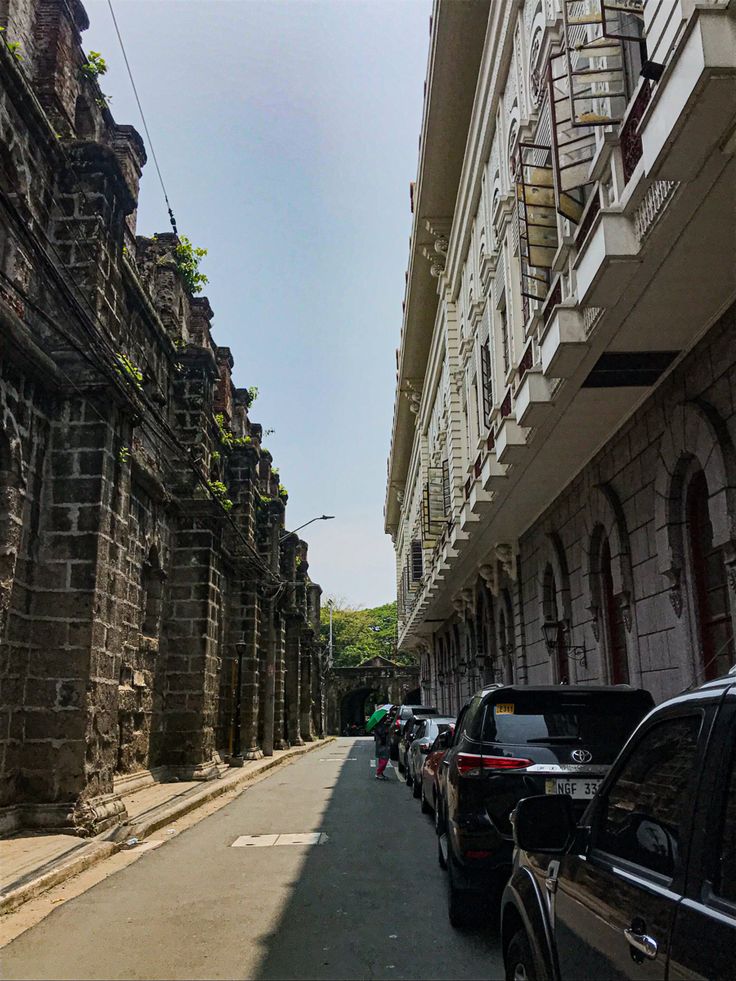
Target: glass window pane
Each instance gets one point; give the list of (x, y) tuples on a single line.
[(642, 817)]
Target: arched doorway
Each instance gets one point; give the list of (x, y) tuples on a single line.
[(357, 706)]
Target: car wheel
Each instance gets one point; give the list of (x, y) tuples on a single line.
[(519, 959), (426, 809), (416, 790), (464, 908), (407, 777)]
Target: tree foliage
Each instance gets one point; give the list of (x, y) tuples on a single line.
[(359, 634)]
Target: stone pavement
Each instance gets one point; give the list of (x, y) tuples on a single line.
[(32, 862)]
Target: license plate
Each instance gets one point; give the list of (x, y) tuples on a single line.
[(579, 789)]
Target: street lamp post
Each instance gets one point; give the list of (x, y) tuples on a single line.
[(320, 517)]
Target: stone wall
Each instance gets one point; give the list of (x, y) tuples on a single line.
[(143, 564)]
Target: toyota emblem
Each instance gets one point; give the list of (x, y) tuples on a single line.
[(581, 756)]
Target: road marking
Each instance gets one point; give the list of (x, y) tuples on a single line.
[(267, 841)]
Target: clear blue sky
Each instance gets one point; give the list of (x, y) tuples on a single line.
[(287, 134)]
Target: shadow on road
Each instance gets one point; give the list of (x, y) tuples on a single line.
[(370, 902)]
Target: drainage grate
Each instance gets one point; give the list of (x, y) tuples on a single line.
[(265, 841)]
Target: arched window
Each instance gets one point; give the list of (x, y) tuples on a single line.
[(561, 668), (613, 621), (710, 585)]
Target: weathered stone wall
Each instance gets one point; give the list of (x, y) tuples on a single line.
[(141, 522)]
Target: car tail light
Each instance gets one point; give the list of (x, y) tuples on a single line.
[(477, 853), (471, 764)]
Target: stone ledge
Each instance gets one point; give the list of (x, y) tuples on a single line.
[(103, 846)]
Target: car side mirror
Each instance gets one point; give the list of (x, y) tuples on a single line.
[(544, 824)]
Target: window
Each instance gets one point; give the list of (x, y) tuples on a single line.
[(710, 585), (505, 343), (725, 878), (614, 627), (152, 578), (642, 817)]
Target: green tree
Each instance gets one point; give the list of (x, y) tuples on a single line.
[(359, 634)]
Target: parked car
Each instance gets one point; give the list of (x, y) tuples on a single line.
[(429, 771), (396, 719), (511, 742), (424, 735), (408, 733), (644, 885)]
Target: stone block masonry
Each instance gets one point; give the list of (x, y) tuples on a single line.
[(148, 598)]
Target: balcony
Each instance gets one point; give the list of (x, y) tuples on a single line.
[(510, 441), (693, 108), (493, 474), (607, 260), (564, 344), (533, 399)]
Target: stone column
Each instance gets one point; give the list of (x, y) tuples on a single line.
[(293, 669), (269, 682), (249, 676), (305, 692), (191, 632), (279, 632)]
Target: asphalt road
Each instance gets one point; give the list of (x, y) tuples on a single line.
[(366, 902)]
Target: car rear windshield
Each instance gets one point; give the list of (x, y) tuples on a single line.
[(605, 719)]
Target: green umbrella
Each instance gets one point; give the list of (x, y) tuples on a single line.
[(375, 719)]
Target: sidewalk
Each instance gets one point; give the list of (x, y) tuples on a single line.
[(31, 862)]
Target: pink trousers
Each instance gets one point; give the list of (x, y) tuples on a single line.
[(381, 766)]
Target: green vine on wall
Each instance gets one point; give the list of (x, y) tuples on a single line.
[(187, 258), (94, 66), (219, 491), (129, 370), (12, 46), (227, 437)]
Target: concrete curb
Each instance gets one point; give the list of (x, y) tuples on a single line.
[(112, 842)]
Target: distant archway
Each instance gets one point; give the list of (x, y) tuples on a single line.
[(357, 706)]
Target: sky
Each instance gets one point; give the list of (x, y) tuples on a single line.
[(287, 134)]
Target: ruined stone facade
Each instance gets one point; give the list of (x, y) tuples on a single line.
[(150, 596)]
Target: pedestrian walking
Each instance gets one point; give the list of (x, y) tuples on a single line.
[(380, 734)]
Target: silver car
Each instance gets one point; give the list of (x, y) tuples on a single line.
[(426, 733)]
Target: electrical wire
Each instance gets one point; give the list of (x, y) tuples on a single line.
[(143, 117)]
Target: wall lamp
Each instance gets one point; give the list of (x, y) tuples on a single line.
[(321, 517), (555, 634)]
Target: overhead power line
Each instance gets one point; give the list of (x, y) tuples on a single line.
[(143, 118)]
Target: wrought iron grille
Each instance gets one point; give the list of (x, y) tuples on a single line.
[(434, 510), (417, 563), (537, 220), (593, 32), (486, 380)]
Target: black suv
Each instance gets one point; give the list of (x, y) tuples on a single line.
[(510, 742), (644, 886), (396, 720)]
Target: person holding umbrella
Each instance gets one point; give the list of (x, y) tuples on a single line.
[(377, 725)]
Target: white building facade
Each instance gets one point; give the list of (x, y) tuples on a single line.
[(562, 476)]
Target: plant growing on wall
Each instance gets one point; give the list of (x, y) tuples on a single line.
[(252, 391), (94, 66), (187, 259), (283, 493), (227, 437), (12, 46), (219, 491), (129, 370)]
